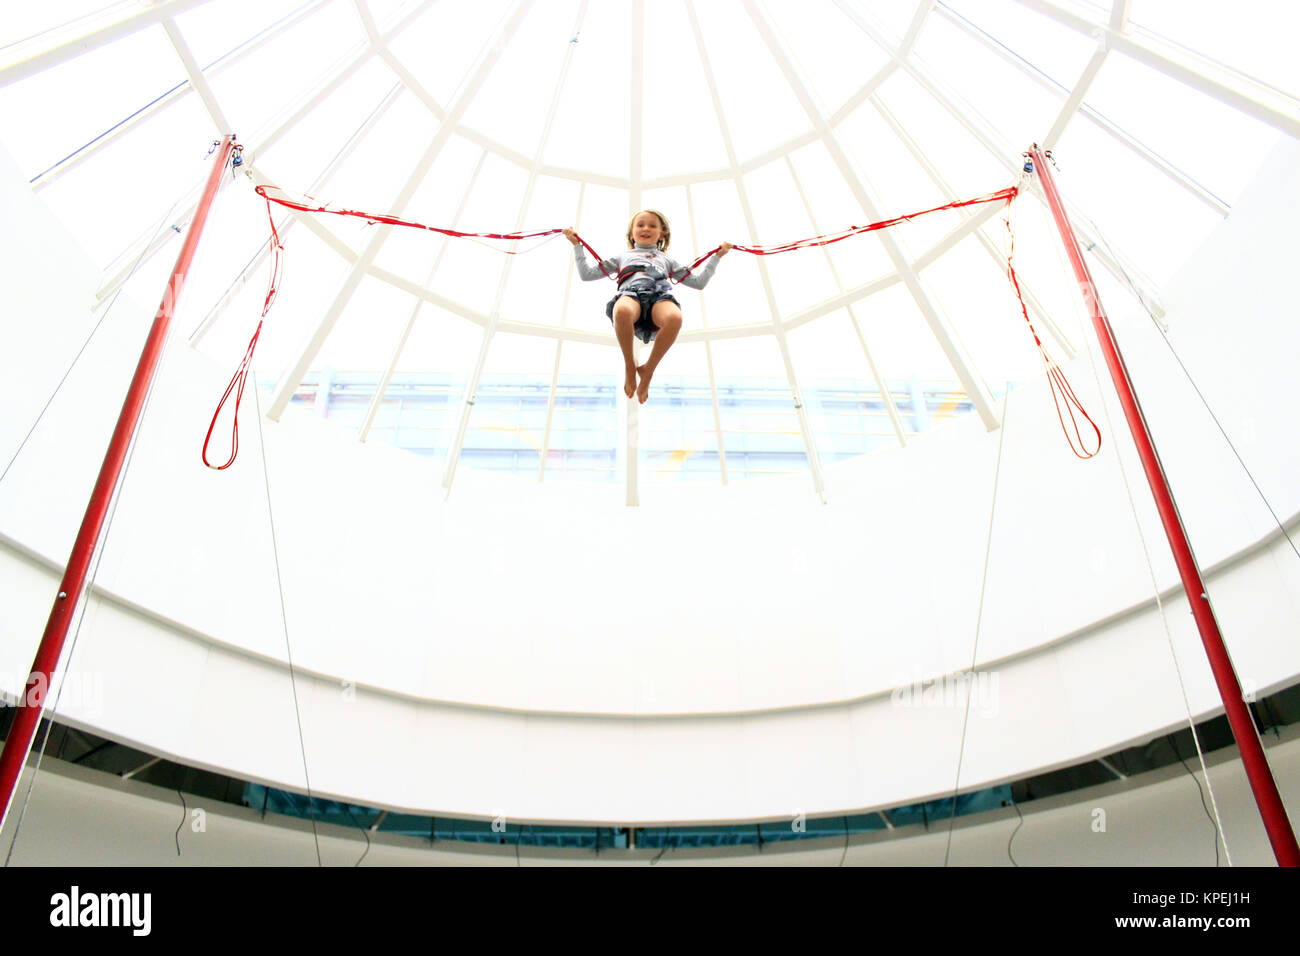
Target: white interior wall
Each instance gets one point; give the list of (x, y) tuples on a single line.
[(716, 653)]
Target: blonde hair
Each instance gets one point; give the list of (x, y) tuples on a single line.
[(664, 240)]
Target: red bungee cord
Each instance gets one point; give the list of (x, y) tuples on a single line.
[(241, 374), (1060, 387), (1002, 195), (1062, 394)]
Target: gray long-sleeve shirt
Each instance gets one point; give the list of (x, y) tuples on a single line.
[(642, 269)]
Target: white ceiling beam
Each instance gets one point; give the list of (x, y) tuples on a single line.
[(198, 81), (997, 255), (307, 355), (708, 351), (94, 40), (559, 347), (979, 394), (494, 318), (982, 130), (879, 379), (381, 389), (1231, 87), (796, 393)]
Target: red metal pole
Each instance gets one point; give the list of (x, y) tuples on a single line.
[(31, 706), (1262, 784)]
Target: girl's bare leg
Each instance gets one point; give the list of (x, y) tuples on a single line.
[(668, 318), (626, 312)]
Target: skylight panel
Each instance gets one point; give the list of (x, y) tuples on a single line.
[(442, 45), (471, 273), (760, 109), (366, 333), (113, 202), (1018, 107), (311, 278), (592, 123), (799, 278), (834, 56), (539, 270), (282, 73), (213, 29), (736, 290), (1256, 37), (898, 184), (1215, 145), (901, 339), (89, 94), (859, 259), (1142, 213), (960, 159), (681, 128), (1024, 35), (31, 27), (893, 17), (515, 98), (978, 300)]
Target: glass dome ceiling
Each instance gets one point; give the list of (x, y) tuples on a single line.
[(753, 121)]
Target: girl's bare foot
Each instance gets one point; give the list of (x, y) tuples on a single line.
[(643, 390), (629, 382)]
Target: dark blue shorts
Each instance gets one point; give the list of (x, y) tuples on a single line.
[(645, 328)]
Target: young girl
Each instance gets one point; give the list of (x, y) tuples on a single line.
[(644, 303)]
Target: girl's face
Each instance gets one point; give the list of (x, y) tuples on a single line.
[(647, 230)]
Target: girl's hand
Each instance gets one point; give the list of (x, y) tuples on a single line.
[(724, 249), (571, 235)]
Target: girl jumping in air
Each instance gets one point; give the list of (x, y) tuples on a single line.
[(644, 303)]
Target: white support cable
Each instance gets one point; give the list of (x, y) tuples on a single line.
[(636, 111), (881, 386), (153, 242), (94, 40), (494, 317), (982, 130), (636, 126), (559, 347), (287, 222), (1236, 89), (1074, 104), (289, 383), (632, 451), (778, 331), (230, 59), (708, 351), (377, 399), (198, 81), (981, 399), (987, 244)]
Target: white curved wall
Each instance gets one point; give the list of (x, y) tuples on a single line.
[(515, 629)]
